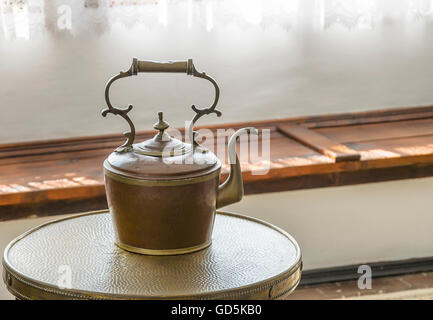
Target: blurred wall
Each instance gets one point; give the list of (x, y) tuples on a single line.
[(352, 224), (52, 85)]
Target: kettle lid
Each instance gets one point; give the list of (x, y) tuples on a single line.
[(162, 158), (162, 144)]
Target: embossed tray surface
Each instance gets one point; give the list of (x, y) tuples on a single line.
[(248, 259)]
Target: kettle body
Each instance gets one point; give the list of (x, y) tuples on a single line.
[(163, 217)]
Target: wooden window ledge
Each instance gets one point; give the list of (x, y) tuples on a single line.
[(65, 175)]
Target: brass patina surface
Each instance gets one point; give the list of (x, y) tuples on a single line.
[(162, 192), (160, 219), (248, 259)]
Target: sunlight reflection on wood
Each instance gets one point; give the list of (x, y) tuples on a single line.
[(377, 154), (416, 150)]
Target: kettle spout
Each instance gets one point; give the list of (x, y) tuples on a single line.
[(232, 189)]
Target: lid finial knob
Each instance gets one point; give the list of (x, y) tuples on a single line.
[(161, 125)]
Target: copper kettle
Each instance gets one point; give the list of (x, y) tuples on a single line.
[(163, 193)]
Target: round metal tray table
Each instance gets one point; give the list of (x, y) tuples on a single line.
[(248, 259)]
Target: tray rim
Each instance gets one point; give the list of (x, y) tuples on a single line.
[(292, 274)]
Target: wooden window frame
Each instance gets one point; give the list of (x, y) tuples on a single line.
[(65, 175)]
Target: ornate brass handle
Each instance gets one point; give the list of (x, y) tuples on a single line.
[(154, 66)]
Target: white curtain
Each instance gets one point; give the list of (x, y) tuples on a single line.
[(28, 19)]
